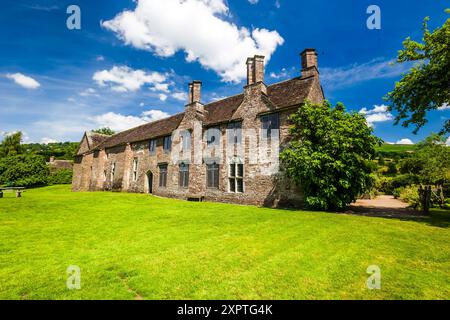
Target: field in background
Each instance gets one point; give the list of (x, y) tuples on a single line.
[(133, 246)]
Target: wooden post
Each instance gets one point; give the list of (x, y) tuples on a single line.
[(1, 194), (18, 194)]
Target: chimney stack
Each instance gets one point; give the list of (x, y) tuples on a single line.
[(255, 70), (309, 63), (195, 90)]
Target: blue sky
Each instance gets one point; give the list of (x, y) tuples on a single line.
[(131, 61)]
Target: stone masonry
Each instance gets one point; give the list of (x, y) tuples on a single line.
[(225, 151)]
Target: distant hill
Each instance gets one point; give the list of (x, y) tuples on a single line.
[(396, 150)]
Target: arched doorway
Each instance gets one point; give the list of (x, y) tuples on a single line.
[(149, 182)]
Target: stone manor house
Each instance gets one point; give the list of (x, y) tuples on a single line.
[(225, 151)]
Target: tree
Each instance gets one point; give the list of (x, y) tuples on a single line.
[(434, 157), (11, 145), (426, 86), (106, 131), (330, 156)]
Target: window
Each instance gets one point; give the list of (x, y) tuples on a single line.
[(163, 175), (135, 169), (234, 133), (113, 171), (236, 177), (186, 141), (104, 175), (269, 123), (167, 143), (213, 136), (152, 146), (184, 175), (213, 175)]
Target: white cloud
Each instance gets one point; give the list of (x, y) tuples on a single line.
[(125, 79), (404, 141), (253, 1), (356, 73), (23, 80), (163, 97), (164, 87), (181, 96), (277, 4), (377, 114), (282, 74), (100, 58), (119, 122), (89, 92), (445, 106), (141, 104), (48, 140), (197, 27), (153, 115)]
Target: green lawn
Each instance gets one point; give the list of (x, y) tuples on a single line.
[(132, 246)]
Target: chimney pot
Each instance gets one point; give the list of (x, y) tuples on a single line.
[(255, 69), (195, 90), (309, 62)]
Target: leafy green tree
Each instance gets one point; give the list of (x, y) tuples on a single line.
[(434, 157), (381, 160), (11, 145), (426, 87), (392, 168), (23, 171), (106, 131), (63, 176), (331, 155)]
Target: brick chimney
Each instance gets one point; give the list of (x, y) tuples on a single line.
[(195, 91), (309, 63), (255, 70)]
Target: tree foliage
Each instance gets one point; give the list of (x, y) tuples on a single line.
[(11, 145), (427, 86), (59, 150), (330, 155), (23, 171), (106, 131)]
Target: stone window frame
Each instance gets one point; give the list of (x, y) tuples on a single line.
[(167, 144), (183, 180), (163, 171), (152, 146), (135, 169), (213, 169), (269, 122), (236, 174)]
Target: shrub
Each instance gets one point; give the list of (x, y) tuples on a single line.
[(392, 168), (63, 176), (384, 185), (410, 194), (23, 171), (404, 180)]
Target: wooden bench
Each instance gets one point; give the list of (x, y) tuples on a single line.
[(18, 191)]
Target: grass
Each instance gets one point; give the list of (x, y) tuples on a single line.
[(397, 148), (132, 246)]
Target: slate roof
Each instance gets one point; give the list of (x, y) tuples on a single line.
[(284, 94)]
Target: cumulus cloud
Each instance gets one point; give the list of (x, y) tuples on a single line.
[(377, 114), (153, 115), (125, 79), (163, 97), (119, 122), (181, 96), (445, 106), (357, 73), (23, 80), (199, 28), (404, 141)]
